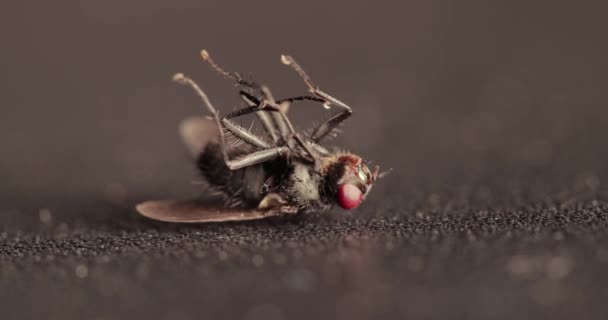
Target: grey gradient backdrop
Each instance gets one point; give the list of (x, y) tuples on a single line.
[(486, 110), (442, 90)]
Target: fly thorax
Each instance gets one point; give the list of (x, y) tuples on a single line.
[(305, 182)]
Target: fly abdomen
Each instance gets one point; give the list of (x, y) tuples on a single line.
[(242, 185)]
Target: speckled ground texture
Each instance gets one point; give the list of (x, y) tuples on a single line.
[(492, 116)]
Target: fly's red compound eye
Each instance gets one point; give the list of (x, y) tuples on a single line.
[(349, 196)]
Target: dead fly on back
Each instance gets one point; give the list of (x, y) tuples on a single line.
[(281, 174)]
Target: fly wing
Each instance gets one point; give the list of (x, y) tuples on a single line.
[(197, 132), (190, 211)]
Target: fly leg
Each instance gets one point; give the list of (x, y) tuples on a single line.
[(255, 157), (243, 161), (289, 133), (278, 111), (229, 75), (264, 117), (278, 119), (242, 133), (245, 134), (272, 123), (327, 126)]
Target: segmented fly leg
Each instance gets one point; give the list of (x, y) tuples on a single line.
[(300, 98), (244, 134), (264, 117), (257, 157), (289, 131), (274, 109), (229, 75), (278, 111), (324, 128), (273, 122), (244, 161)]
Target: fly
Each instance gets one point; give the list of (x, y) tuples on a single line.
[(281, 173)]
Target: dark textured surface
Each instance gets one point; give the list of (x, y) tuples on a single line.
[(542, 260), (493, 117)]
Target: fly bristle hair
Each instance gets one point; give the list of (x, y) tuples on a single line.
[(308, 132), (231, 140), (215, 191), (211, 191), (235, 200), (331, 135), (334, 132)]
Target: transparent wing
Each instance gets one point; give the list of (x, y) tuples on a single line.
[(192, 211), (197, 132)]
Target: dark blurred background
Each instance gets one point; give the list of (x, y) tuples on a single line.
[(492, 114), (441, 89)]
